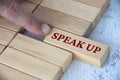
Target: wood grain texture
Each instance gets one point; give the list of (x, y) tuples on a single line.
[(6, 36), (8, 24), (96, 3), (28, 6), (12, 26), (86, 50), (7, 73), (42, 51), (102, 10), (73, 8), (1, 48), (63, 21), (30, 65), (35, 1)]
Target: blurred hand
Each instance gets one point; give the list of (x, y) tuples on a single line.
[(11, 10)]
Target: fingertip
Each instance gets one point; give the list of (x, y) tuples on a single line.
[(45, 28)]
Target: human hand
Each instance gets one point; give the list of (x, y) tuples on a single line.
[(11, 10)]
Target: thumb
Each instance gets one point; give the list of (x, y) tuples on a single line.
[(11, 10)]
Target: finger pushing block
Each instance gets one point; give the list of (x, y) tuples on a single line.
[(64, 21), (86, 50)]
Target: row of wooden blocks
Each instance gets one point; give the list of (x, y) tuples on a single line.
[(24, 58)]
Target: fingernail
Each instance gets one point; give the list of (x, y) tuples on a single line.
[(45, 28)]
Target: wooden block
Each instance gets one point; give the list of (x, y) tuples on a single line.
[(102, 4), (84, 49), (7, 73), (6, 36), (35, 1), (37, 49), (28, 6), (1, 48), (64, 21), (8, 24), (12, 26), (30, 65), (73, 8), (96, 3)]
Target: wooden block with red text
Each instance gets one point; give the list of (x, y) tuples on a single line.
[(8, 73), (12, 26), (6, 36), (1, 48), (86, 50), (30, 65), (42, 51)]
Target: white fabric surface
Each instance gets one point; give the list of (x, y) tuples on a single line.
[(108, 32)]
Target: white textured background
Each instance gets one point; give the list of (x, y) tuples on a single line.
[(108, 32)]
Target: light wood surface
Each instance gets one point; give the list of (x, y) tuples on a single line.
[(96, 3), (8, 24), (73, 8), (28, 6), (35, 1), (64, 21), (12, 26), (102, 10), (1, 48), (86, 50), (30, 65), (42, 51), (6, 36), (7, 73), (101, 4)]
